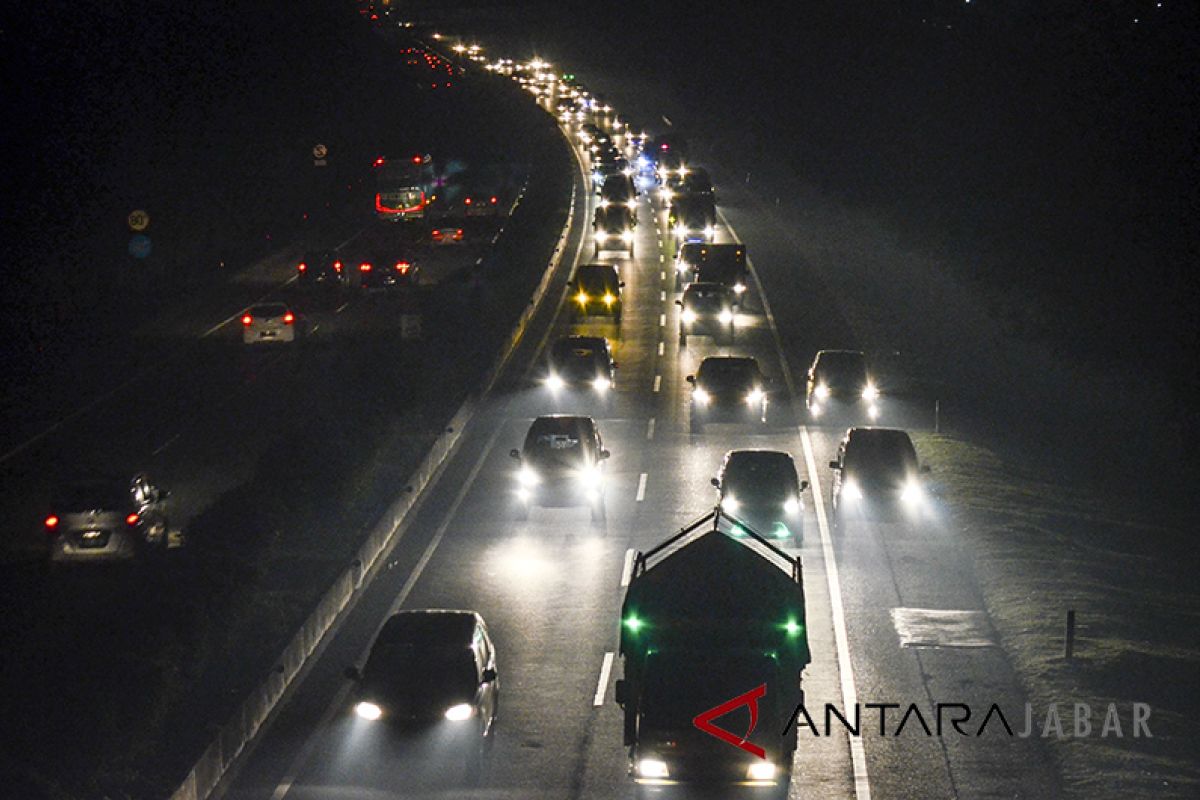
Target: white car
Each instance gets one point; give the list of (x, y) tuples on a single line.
[(268, 322)]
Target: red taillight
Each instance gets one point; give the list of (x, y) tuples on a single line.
[(132, 519), (493, 201), (302, 267), (468, 201), (458, 233), (247, 319), (364, 267), (437, 234), (416, 159), (51, 522), (337, 266), (289, 318), (402, 266)]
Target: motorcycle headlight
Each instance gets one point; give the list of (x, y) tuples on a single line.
[(701, 397), (652, 768), (761, 771), (688, 316), (460, 712), (739, 288), (726, 316)]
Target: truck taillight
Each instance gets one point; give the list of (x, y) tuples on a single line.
[(247, 319), (289, 318), (337, 266), (132, 519), (51, 522)]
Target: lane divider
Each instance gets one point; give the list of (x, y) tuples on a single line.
[(641, 490), (602, 684), (657, 382), (627, 568), (650, 428)]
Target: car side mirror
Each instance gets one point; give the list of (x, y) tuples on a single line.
[(803, 485), (352, 674), (489, 675), (679, 303), (690, 378), (834, 465), (604, 454), (514, 453), (621, 285), (615, 365), (925, 469), (716, 482), (619, 692)]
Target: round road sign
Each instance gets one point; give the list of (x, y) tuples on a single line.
[(320, 151), (138, 220), (139, 246)]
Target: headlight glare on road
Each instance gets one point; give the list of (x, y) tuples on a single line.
[(791, 505), (850, 490), (460, 712), (701, 397), (726, 316), (688, 316), (368, 711), (761, 771), (652, 768), (911, 494)]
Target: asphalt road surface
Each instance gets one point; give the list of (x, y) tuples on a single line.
[(550, 587)]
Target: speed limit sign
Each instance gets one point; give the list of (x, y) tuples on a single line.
[(138, 220)]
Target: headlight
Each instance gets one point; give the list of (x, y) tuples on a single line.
[(460, 712), (822, 391), (755, 396), (726, 316), (729, 503), (791, 505), (590, 476), (680, 231), (609, 298), (605, 204), (739, 287), (870, 392), (601, 236), (665, 195), (631, 204), (554, 382), (873, 411), (626, 236), (601, 384), (710, 231), (581, 298), (527, 477), (367, 710), (688, 316), (700, 396), (911, 494), (652, 768), (850, 490), (761, 771)]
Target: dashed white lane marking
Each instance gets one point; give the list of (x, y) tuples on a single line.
[(662, 294), (627, 567), (602, 685), (661, 258), (935, 627), (662, 274), (641, 492), (166, 444), (661, 346), (858, 758), (657, 382), (342, 307), (662, 320), (650, 428)]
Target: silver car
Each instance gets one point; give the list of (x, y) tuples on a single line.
[(269, 322), (107, 519)]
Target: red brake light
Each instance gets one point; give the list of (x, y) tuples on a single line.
[(51, 522), (132, 519), (364, 267), (416, 159), (379, 162), (437, 234), (289, 318), (458, 234), (247, 319), (402, 266), (302, 267), (468, 201), (493, 201)]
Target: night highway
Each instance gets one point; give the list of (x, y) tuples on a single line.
[(559, 409)]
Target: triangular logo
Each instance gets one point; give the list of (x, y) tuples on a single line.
[(750, 698)]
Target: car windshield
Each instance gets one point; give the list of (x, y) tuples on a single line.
[(422, 670), (268, 310), (880, 456), (842, 369), (576, 356), (92, 495), (705, 297), (728, 372), (763, 476), (556, 442), (598, 281)]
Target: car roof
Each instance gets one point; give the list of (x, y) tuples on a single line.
[(430, 627), (835, 355), (879, 435), (754, 454), (748, 360), (596, 271)]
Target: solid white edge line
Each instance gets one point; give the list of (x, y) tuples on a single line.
[(602, 685), (627, 567), (858, 758), (641, 490)]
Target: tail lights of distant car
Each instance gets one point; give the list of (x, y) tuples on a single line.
[(289, 318), (364, 267), (132, 519), (493, 201), (51, 522), (403, 267), (247, 319), (302, 267), (337, 266)]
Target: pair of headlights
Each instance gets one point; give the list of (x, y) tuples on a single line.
[(731, 504), (657, 769), (456, 713), (689, 316), (703, 398)]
